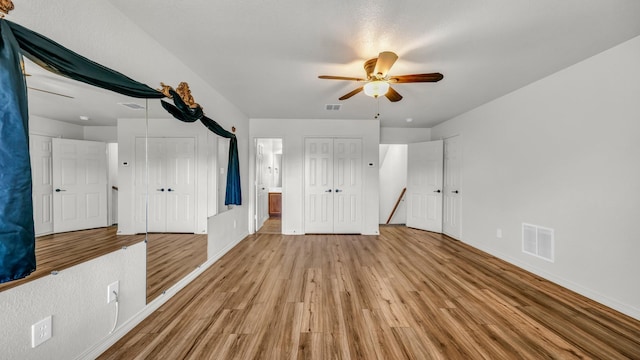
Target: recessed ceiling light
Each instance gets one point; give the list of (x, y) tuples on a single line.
[(84, 118), (409, 119)]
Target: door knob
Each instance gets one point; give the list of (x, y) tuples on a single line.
[(161, 189), (455, 191), (437, 191), (170, 189), (58, 190), (328, 190), (338, 190)]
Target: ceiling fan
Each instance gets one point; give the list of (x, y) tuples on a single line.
[(378, 80)]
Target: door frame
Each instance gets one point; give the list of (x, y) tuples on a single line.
[(98, 190), (254, 218)]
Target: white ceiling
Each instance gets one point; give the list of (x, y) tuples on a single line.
[(265, 56)]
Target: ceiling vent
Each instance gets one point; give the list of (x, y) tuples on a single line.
[(538, 241), (333, 107), (133, 106)]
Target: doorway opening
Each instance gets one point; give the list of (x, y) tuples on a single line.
[(393, 179), (269, 188)]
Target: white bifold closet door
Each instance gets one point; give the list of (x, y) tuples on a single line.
[(333, 185), (79, 184), (424, 185), (171, 185)]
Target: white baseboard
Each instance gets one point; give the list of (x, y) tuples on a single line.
[(96, 350), (589, 293)]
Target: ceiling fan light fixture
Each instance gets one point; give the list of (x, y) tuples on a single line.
[(376, 88)]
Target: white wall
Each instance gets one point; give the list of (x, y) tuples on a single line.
[(393, 178), (404, 135), (293, 132), (562, 153), (48, 127), (76, 299), (108, 134)]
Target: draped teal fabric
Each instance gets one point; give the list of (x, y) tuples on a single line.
[(17, 245)]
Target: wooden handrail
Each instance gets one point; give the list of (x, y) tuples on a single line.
[(397, 203)]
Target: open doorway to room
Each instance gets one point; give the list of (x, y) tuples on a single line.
[(393, 182), (268, 190)]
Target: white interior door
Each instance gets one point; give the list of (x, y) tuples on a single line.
[(80, 185), (170, 163), (424, 185), (318, 186), (347, 183), (180, 184), (42, 177), (451, 224), (333, 186)]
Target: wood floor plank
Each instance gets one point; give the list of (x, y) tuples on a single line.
[(405, 294)]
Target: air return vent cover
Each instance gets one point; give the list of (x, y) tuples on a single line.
[(133, 106), (538, 241), (333, 107)]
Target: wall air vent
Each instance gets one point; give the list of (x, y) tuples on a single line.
[(333, 107), (133, 106), (538, 241)]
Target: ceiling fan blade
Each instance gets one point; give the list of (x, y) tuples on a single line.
[(386, 59), (432, 77), (346, 96), (393, 95), (369, 66), (50, 92), (329, 77)]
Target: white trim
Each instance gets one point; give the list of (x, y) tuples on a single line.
[(603, 299)]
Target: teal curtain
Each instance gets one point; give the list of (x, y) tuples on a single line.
[(17, 246), (17, 236)]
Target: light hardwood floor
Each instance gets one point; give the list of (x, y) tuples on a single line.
[(406, 294), (170, 257), (273, 225)]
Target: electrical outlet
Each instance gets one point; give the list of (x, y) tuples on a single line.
[(111, 297), (499, 233), (41, 331)]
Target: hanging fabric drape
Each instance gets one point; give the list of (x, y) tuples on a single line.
[(17, 236), (17, 246)]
